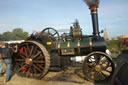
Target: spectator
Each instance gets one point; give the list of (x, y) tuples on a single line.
[(1, 60), (7, 56), (14, 48)]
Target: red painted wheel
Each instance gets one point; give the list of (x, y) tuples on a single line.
[(32, 60)]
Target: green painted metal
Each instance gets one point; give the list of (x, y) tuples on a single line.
[(74, 44), (85, 42)]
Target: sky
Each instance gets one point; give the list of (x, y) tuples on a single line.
[(35, 15)]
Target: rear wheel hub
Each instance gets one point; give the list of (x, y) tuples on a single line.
[(28, 61)]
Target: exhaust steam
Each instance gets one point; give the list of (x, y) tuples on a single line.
[(91, 3)]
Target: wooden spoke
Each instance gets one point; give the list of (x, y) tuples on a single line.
[(22, 56), (38, 61), (21, 64), (37, 68), (97, 58), (26, 54), (107, 64), (26, 71), (20, 60), (107, 70), (35, 72), (22, 67), (89, 70), (101, 60), (40, 66), (104, 75), (90, 64), (40, 57), (96, 75), (91, 75), (36, 55), (29, 71), (28, 47), (35, 50), (104, 60), (99, 75), (31, 50)]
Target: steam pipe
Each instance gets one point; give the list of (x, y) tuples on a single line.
[(94, 16)]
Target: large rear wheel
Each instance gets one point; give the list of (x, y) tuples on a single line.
[(32, 60)]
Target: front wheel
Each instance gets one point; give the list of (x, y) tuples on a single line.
[(98, 67)]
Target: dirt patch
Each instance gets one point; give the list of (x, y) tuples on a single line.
[(70, 76)]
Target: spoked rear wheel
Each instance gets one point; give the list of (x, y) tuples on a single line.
[(98, 67), (32, 60)]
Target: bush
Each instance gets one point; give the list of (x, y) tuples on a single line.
[(116, 46)]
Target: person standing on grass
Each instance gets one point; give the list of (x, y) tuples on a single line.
[(7, 57)]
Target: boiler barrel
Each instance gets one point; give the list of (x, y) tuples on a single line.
[(99, 44), (82, 47)]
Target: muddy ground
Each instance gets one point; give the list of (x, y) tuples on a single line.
[(69, 76)]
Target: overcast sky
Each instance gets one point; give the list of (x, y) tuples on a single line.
[(35, 15)]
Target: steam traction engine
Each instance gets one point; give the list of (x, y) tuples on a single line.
[(47, 49)]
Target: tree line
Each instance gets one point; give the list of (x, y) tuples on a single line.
[(16, 34), (116, 46)]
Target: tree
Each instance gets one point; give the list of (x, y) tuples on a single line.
[(116, 46), (16, 34), (19, 34), (1, 37), (7, 35)]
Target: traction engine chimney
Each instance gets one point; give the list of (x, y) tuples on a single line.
[(93, 5), (95, 24)]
